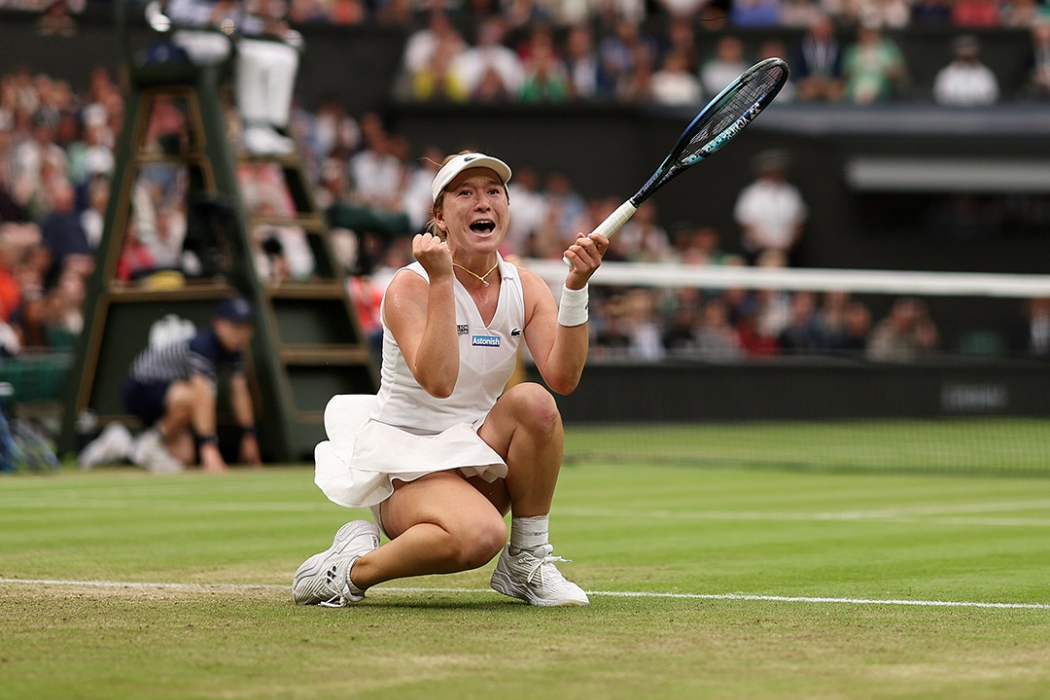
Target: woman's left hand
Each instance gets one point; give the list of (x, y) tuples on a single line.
[(585, 256)]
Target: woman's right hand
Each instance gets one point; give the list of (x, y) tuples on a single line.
[(433, 254)]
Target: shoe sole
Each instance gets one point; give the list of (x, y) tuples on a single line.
[(315, 564), (501, 583)]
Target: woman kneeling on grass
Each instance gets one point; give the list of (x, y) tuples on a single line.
[(443, 453)]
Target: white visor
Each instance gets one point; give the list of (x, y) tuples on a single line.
[(454, 167)]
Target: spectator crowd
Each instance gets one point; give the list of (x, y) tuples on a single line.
[(839, 51), (57, 156)]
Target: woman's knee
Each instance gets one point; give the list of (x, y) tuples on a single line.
[(478, 541), (536, 408)]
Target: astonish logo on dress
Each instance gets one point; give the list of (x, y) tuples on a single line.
[(485, 341)]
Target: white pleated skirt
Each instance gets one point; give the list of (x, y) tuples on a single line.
[(355, 467)]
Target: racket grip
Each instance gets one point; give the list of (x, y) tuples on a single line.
[(613, 222)]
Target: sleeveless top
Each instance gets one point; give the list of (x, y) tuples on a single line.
[(487, 358)]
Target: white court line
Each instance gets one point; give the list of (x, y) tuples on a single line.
[(904, 514), (204, 587)]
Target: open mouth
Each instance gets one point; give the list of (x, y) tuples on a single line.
[(483, 226)]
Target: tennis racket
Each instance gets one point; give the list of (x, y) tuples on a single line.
[(716, 125)]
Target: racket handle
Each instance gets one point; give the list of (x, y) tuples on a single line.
[(613, 222)]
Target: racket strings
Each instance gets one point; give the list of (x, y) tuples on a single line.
[(737, 104)]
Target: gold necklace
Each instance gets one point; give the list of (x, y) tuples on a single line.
[(479, 278)]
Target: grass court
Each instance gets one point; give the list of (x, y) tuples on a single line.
[(725, 579)]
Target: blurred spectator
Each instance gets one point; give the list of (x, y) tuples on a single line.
[(892, 14), (770, 211), (525, 13), (754, 329), (679, 339), (686, 9), (10, 209), (11, 284), (624, 57), (800, 13), (368, 301), (29, 321), (333, 186), (530, 210), (966, 81), (346, 12), (282, 253), (64, 310), (817, 63), (642, 238), (975, 14), (715, 338), (904, 335), (725, 66), (931, 13), (873, 67), (853, 337), (63, 235), (416, 201), (490, 71), (831, 316), (1023, 14), (422, 43), (377, 174), (755, 13), (581, 62), (1037, 64), (1032, 334), (696, 245), (643, 329), (135, 260), (31, 264), (10, 344), (802, 335), (262, 184), (566, 209), (93, 217), (674, 83), (334, 132), (90, 157), (35, 157), (774, 305), (437, 80), (680, 36), (545, 77), (428, 57)]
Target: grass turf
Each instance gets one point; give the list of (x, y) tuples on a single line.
[(230, 543)]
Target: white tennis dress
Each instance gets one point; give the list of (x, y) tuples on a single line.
[(404, 432)]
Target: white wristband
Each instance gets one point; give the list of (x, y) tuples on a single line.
[(573, 308)]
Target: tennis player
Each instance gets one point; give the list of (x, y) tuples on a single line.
[(443, 452)]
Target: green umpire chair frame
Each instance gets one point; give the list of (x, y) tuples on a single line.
[(308, 343)]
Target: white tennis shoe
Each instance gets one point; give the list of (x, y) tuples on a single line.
[(324, 578), (149, 451), (532, 576), (112, 446)]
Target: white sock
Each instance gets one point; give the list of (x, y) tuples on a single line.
[(528, 533)]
